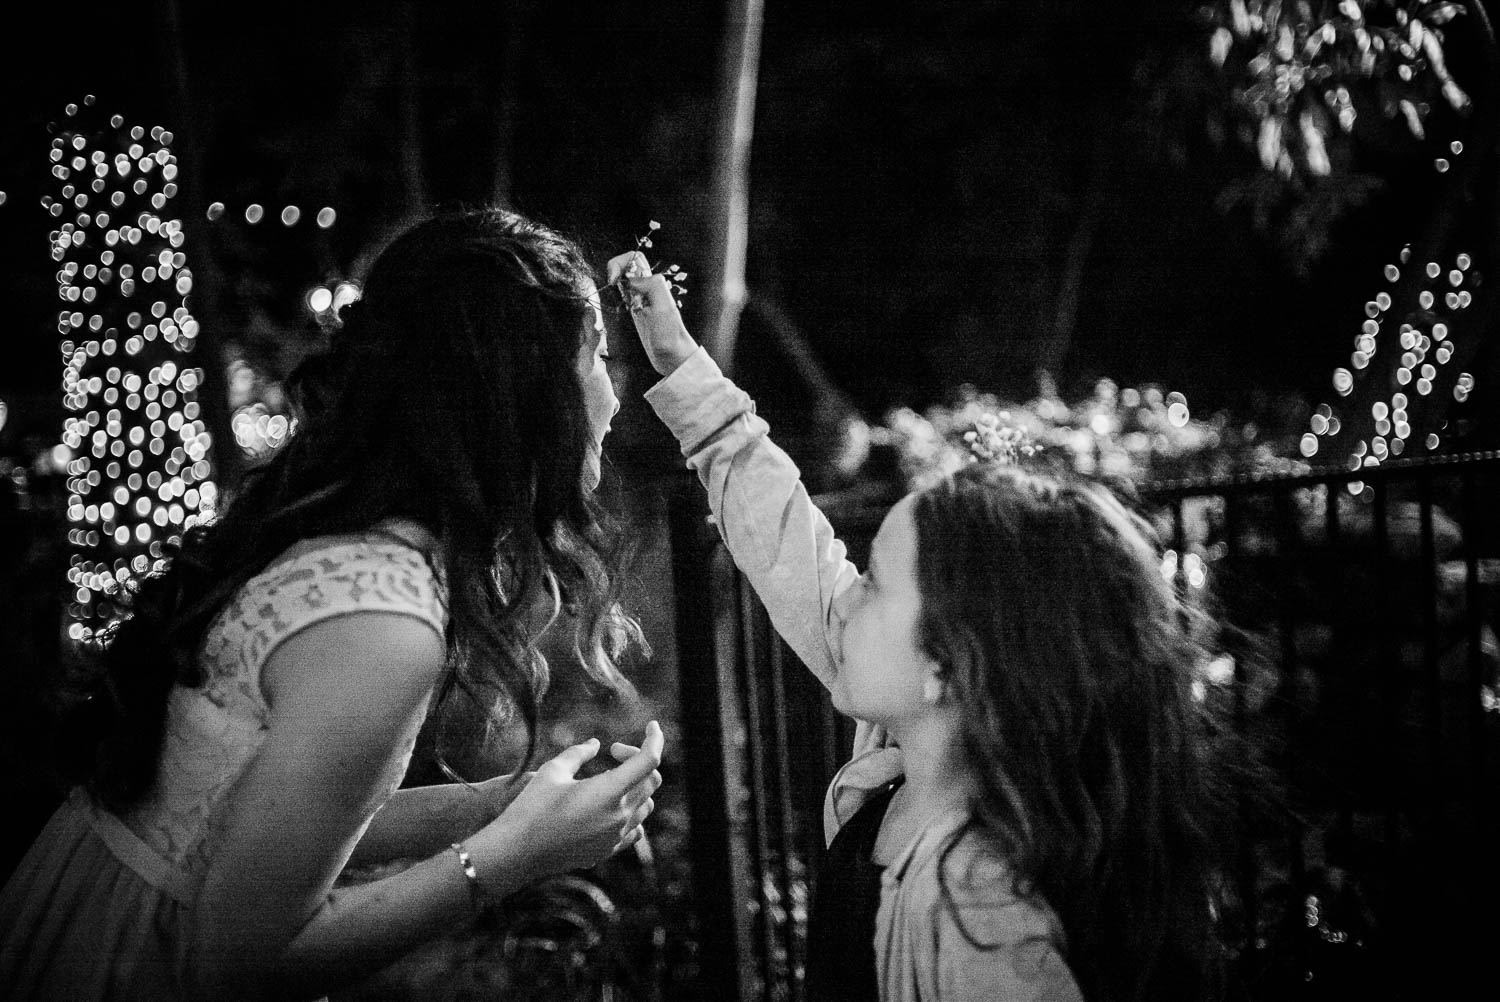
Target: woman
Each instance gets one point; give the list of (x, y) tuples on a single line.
[(258, 708)]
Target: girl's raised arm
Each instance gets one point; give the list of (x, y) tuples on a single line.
[(777, 536)]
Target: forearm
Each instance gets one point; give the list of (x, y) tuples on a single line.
[(362, 929), (359, 930), (777, 536), (418, 821)]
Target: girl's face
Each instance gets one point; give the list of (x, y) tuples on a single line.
[(599, 400), (881, 670)]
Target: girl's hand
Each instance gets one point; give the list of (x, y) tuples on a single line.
[(559, 823), (657, 321)]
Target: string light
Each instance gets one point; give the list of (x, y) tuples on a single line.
[(1425, 345), (134, 446), (290, 215)]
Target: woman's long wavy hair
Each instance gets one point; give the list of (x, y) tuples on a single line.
[(450, 398), (1071, 664)]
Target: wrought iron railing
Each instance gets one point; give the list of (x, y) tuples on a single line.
[(1370, 595)]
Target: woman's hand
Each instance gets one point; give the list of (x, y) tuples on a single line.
[(497, 793), (559, 823), (654, 310)]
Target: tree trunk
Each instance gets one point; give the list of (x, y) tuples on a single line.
[(1057, 339), (514, 17), (409, 105), (729, 209)]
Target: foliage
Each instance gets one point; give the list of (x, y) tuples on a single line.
[(1135, 433), (1301, 80)]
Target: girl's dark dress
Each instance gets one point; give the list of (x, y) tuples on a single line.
[(841, 930)]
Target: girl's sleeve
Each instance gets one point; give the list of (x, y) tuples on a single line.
[(776, 535), (973, 967), (986, 942)]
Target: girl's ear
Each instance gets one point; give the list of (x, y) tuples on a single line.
[(933, 689)]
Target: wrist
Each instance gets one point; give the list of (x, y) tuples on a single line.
[(477, 896), (671, 359), (501, 862)]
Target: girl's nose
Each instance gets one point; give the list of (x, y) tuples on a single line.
[(838, 609)]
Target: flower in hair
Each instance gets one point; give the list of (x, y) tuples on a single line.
[(990, 441)]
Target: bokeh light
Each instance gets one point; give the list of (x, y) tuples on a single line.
[(319, 299), (133, 434)]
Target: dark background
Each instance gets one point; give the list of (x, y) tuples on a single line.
[(933, 184), (941, 193)]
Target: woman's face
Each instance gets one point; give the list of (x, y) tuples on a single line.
[(599, 400), (881, 669)]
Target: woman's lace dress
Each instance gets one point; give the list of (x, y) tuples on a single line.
[(98, 907)]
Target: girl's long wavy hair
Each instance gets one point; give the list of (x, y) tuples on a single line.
[(1071, 664), (450, 398)]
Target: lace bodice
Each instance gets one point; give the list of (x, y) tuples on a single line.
[(213, 731)]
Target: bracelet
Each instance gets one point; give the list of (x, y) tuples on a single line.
[(476, 889)]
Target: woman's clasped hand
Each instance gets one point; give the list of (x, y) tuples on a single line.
[(566, 823)]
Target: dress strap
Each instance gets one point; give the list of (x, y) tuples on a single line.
[(128, 848)]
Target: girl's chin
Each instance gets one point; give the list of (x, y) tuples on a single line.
[(838, 695)]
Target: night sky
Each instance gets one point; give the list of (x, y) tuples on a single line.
[(933, 184)]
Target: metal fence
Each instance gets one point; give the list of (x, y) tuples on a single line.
[(1358, 655)]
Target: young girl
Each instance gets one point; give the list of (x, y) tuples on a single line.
[(258, 709), (1023, 814)]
